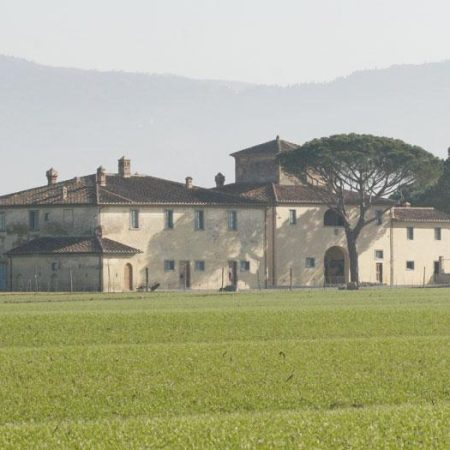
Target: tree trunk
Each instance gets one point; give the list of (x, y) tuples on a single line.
[(353, 258)]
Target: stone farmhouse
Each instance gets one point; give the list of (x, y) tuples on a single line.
[(122, 232)]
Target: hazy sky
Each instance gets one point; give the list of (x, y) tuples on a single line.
[(264, 41)]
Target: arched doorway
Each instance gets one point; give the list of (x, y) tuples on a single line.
[(128, 277), (335, 266)]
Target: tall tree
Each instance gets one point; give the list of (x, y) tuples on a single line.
[(351, 173)]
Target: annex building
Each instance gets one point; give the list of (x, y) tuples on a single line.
[(120, 232)]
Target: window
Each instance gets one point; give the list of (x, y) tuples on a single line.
[(310, 263), (245, 266), (54, 267), (2, 221), (199, 220), (232, 220), (168, 219), (409, 265), (410, 233), (199, 266), (46, 217), (379, 216), (169, 265), (33, 220), (437, 234), (134, 218), (292, 217), (379, 254), (333, 219)]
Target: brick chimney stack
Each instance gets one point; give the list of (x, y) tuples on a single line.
[(124, 167), (101, 176), (189, 183), (52, 176), (220, 180)]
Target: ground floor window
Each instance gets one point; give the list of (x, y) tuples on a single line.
[(199, 266), (169, 265), (310, 262), (409, 265), (245, 266)]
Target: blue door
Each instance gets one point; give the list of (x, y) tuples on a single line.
[(3, 277)]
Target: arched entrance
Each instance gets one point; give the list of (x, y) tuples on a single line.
[(335, 266), (128, 277)]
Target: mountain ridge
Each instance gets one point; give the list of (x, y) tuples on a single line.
[(173, 126)]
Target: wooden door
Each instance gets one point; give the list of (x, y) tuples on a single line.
[(232, 273), (3, 277), (185, 275), (379, 271), (128, 277)]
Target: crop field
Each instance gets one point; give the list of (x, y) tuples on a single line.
[(301, 369)]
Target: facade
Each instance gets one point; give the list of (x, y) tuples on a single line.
[(120, 232)]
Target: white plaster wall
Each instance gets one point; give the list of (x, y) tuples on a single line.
[(215, 245)]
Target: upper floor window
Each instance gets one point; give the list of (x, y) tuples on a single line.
[(33, 220), (134, 218), (292, 217), (379, 254), (333, 219), (168, 219), (438, 234), (199, 220), (245, 266), (232, 220), (379, 216), (410, 233), (2, 221)]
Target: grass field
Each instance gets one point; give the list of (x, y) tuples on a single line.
[(306, 369)]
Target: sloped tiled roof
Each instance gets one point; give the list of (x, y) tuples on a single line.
[(79, 191), (413, 214), (119, 190), (72, 245), (151, 190), (279, 193), (267, 148)]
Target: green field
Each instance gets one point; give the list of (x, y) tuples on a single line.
[(303, 369)]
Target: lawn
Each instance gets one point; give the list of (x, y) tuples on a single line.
[(302, 369)]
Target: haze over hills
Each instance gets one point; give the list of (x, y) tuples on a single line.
[(170, 126)]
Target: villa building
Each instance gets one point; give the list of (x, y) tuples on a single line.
[(120, 232)]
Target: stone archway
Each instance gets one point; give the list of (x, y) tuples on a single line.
[(335, 266)]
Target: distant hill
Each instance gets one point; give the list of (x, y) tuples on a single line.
[(172, 126)]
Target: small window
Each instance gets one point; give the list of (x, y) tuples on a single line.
[(379, 216), (199, 266), (168, 219), (310, 263), (245, 266), (379, 254), (33, 220), (409, 265), (232, 220), (54, 267), (199, 220), (169, 265), (2, 221), (292, 217), (410, 233), (134, 218), (437, 234), (46, 217)]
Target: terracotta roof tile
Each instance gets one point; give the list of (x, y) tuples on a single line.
[(269, 148), (72, 245), (413, 214)]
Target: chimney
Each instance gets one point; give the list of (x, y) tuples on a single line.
[(101, 176), (52, 176), (124, 167), (220, 180), (188, 182), (64, 193)]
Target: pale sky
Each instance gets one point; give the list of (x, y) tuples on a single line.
[(262, 41)]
